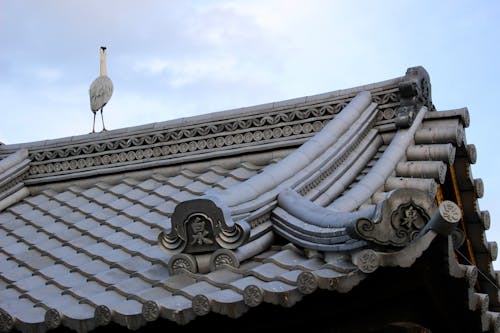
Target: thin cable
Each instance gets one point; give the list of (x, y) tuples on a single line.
[(480, 272)]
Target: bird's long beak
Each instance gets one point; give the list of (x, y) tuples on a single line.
[(103, 49)]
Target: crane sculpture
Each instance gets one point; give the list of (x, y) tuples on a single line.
[(100, 90)]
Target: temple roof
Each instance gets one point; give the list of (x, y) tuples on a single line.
[(223, 212)]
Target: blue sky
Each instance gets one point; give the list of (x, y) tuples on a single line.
[(171, 59)]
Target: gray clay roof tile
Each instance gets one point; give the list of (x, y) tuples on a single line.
[(80, 244)]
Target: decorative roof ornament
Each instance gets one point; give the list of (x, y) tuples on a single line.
[(200, 227), (405, 216), (415, 92)]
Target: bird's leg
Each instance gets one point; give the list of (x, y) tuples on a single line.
[(93, 125), (102, 117)]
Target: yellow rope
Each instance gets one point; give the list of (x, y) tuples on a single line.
[(462, 221)]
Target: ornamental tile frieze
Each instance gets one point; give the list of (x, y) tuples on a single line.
[(169, 144)]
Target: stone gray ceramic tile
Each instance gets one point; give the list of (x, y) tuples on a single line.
[(135, 263), (46, 292), (154, 218), (60, 302), (117, 255), (119, 220), (55, 270), (103, 213), (154, 293), (24, 231), (94, 267), (137, 244), (49, 244), (6, 240), (241, 173), (139, 228), (16, 248), (41, 220), (87, 224), (210, 177), (228, 182), (25, 312), (156, 272), (105, 198), (37, 200), (166, 190), (183, 196), (83, 241), (109, 298), (88, 289), (120, 204), (112, 276), (31, 282), (77, 260), (74, 217), (62, 252), (287, 257), (312, 263), (277, 287), (291, 276), (35, 259), (99, 249), (92, 192), (55, 227), (135, 194), (79, 311), (176, 303), (90, 208), (13, 224), (136, 210), (167, 207), (6, 217), (179, 181), (118, 238), (241, 284), (71, 280), (131, 181), (226, 296), (222, 276), (328, 273), (6, 295), (268, 270), (77, 201), (179, 281), (120, 188), (17, 273), (149, 184), (133, 285), (128, 308), (152, 200), (102, 231), (63, 196), (156, 253), (36, 237), (201, 287), (69, 234), (23, 208), (197, 187), (60, 210)]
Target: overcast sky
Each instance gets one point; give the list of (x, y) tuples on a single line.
[(171, 59)]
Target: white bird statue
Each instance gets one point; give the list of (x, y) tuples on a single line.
[(100, 90)]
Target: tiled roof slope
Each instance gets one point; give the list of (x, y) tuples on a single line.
[(222, 212)]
